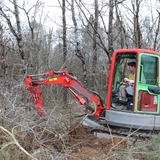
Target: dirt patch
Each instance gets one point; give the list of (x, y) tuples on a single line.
[(78, 143), (86, 146)]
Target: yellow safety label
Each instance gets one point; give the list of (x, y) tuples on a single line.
[(53, 79)]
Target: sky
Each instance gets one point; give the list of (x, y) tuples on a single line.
[(50, 14)]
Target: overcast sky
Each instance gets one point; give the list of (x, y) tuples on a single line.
[(51, 14)]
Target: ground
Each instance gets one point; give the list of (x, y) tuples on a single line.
[(54, 137), (78, 143), (75, 143), (87, 146)]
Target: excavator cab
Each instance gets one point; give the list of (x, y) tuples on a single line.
[(144, 97), (143, 107), (121, 71)]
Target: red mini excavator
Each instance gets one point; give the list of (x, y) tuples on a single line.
[(142, 109)]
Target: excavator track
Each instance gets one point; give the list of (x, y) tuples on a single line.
[(112, 131), (123, 132)]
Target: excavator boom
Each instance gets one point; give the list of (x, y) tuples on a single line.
[(68, 81)]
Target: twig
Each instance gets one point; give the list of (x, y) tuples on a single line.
[(123, 140), (89, 114), (16, 143), (110, 132)]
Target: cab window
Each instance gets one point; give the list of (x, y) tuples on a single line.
[(148, 70)]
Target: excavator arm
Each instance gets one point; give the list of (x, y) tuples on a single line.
[(68, 81)]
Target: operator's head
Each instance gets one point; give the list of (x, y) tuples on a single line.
[(132, 66)]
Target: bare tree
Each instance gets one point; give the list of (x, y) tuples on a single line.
[(137, 31), (16, 32), (64, 41), (79, 53), (4, 50), (157, 31), (121, 31), (95, 31), (110, 28)]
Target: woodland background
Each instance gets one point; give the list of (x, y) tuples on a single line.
[(82, 41)]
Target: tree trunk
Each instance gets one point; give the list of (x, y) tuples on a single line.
[(137, 31), (110, 30), (78, 51), (18, 33), (64, 44), (95, 31), (157, 32)]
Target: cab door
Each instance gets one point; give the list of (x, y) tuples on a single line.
[(147, 83)]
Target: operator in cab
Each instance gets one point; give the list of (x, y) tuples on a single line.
[(128, 83)]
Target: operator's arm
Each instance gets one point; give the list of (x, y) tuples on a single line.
[(131, 82)]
